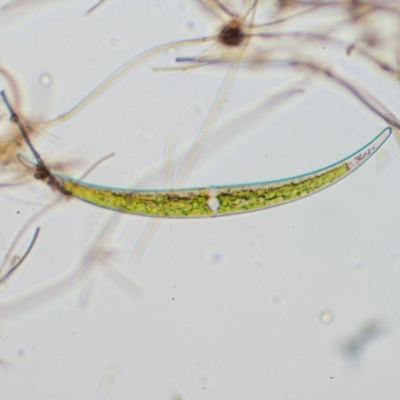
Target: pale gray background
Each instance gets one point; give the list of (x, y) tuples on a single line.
[(230, 308)]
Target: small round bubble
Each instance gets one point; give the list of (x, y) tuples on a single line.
[(45, 80), (326, 316), (191, 25), (215, 257)]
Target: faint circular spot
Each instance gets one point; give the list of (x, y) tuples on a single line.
[(215, 256), (359, 266), (45, 80), (383, 155), (326, 316), (186, 330), (278, 299), (114, 43), (220, 358), (254, 243), (21, 352), (191, 25)]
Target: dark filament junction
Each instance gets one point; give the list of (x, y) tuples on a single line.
[(232, 34)]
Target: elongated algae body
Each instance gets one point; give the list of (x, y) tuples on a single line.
[(252, 197), (222, 200), (158, 203)]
